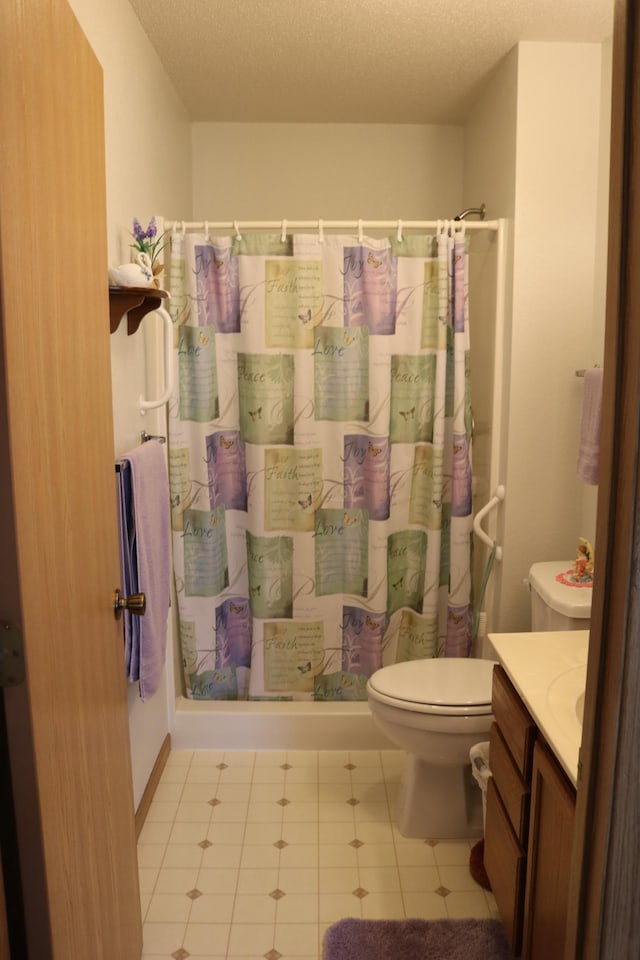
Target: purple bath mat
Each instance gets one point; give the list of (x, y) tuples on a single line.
[(416, 940)]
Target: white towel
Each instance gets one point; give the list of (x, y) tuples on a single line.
[(589, 448)]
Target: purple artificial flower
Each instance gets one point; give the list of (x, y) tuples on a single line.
[(147, 240), (138, 232)]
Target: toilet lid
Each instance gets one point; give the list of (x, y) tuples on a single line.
[(445, 685)]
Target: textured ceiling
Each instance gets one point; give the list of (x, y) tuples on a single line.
[(350, 61)]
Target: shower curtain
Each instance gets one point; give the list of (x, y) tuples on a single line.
[(320, 459)]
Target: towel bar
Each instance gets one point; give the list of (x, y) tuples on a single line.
[(168, 365)]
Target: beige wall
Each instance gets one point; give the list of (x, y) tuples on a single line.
[(148, 166), (489, 177), (555, 226), (590, 493), (267, 171), (148, 154)]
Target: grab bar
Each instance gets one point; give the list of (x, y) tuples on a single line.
[(168, 365), (481, 514)]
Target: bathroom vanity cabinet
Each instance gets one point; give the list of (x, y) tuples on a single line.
[(529, 829)]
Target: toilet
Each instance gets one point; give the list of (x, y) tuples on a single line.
[(436, 710), (555, 605)]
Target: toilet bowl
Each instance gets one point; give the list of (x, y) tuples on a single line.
[(436, 710)]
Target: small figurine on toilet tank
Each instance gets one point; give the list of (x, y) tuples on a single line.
[(583, 564), (581, 574)]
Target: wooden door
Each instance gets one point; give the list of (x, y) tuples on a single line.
[(603, 917), (4, 928), (67, 728)]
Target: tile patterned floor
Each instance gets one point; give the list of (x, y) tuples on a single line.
[(253, 855)]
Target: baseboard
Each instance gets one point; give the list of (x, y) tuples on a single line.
[(154, 779)]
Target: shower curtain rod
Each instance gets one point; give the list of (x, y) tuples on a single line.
[(320, 225)]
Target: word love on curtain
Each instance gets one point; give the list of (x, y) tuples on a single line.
[(320, 459)]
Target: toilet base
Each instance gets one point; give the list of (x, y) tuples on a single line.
[(438, 802)]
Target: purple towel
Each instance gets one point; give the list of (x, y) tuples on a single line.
[(128, 570), (148, 507), (589, 449)]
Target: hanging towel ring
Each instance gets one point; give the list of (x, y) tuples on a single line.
[(399, 231), (360, 233), (283, 235), (320, 231), (237, 230)]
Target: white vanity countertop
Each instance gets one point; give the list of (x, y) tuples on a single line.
[(549, 672)]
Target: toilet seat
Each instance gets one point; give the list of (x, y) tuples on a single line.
[(446, 686)]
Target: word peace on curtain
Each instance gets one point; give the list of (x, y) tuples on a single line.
[(320, 460)]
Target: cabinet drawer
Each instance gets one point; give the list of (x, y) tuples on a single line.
[(505, 863), (514, 792), (516, 726)]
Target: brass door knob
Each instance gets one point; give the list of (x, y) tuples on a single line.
[(136, 604)]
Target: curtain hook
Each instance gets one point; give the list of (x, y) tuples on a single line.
[(320, 231), (237, 230), (360, 233), (283, 235), (399, 231)]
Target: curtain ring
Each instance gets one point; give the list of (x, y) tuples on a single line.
[(399, 231), (320, 231), (360, 233), (184, 228), (283, 235), (206, 229), (237, 230)]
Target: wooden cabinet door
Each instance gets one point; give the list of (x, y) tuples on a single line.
[(505, 863), (67, 724), (549, 859)]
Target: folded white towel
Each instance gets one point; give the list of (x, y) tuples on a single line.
[(589, 448)]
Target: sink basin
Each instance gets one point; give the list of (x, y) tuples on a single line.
[(565, 699)]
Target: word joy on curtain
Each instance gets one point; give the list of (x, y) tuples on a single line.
[(320, 459)]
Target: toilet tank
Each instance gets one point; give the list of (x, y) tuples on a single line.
[(556, 605)]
